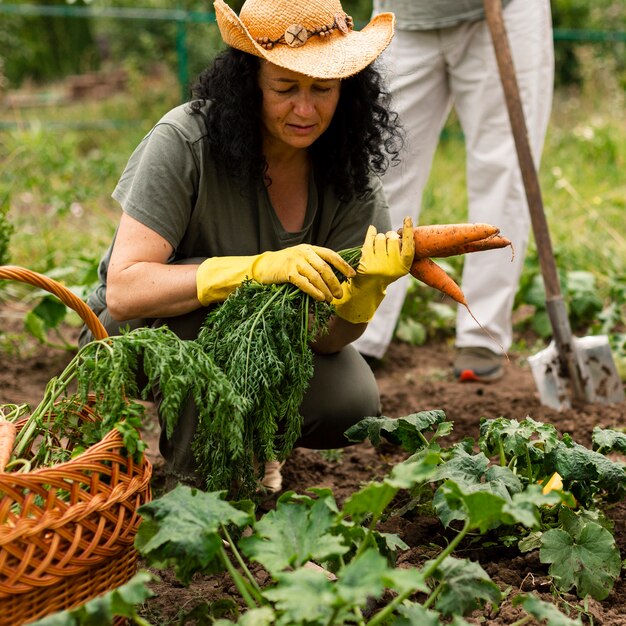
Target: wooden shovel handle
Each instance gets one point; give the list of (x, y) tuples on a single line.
[(555, 306), (495, 22)]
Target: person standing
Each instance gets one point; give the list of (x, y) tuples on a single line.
[(441, 57)]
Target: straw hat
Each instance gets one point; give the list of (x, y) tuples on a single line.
[(312, 37)]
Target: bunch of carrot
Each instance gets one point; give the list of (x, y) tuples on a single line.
[(445, 240)]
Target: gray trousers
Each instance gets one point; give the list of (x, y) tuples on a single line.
[(343, 390)]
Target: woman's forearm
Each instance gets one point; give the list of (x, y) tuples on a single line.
[(340, 334), (151, 290)]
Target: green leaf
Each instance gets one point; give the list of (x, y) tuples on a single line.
[(308, 597), (362, 578), (521, 443), (535, 293), (374, 498), (404, 431), (588, 559), (35, 326), (389, 543), (465, 587), (263, 616), (587, 474), (50, 311), (541, 324), (472, 475), (530, 542), (405, 580), (480, 509), (303, 596), (411, 331), (181, 529), (502, 482), (463, 467), (606, 440), (524, 506), (582, 295), (416, 470), (292, 534), (544, 611), (417, 615), (102, 610)]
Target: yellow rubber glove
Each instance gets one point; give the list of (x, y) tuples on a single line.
[(307, 267), (383, 260)]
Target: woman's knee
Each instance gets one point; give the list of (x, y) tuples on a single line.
[(342, 392)]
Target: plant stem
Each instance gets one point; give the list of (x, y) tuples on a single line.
[(238, 579), (424, 440), (55, 387), (530, 468), (255, 589), (448, 551), (368, 537), (502, 454), (387, 611), (258, 316), (331, 619), (358, 615), (13, 412), (433, 596)]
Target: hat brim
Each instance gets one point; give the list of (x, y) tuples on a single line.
[(337, 56)]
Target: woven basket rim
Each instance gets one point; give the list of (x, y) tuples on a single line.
[(30, 277), (108, 441), (89, 455)]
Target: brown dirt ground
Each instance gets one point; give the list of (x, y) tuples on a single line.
[(411, 379)]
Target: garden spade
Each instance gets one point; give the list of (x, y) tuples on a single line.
[(570, 368)]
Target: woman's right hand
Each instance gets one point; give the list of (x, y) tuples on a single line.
[(307, 267)]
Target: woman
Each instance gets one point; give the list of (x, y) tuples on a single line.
[(267, 173)]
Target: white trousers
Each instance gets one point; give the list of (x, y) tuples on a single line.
[(428, 73)]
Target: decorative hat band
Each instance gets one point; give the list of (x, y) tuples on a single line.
[(297, 35)]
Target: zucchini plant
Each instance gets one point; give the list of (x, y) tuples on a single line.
[(328, 564)]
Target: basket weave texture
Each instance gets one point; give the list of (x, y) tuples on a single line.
[(67, 531)]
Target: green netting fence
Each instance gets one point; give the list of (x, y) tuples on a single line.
[(184, 18)]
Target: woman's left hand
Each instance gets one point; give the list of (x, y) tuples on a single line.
[(385, 257)]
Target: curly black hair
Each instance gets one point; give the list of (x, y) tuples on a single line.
[(363, 137)]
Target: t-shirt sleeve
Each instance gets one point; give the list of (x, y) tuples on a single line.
[(159, 184)]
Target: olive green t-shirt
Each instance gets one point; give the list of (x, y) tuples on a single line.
[(174, 186), (432, 14)]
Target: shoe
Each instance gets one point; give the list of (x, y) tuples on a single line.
[(272, 479), (478, 364)]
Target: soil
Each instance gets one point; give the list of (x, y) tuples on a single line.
[(411, 379)]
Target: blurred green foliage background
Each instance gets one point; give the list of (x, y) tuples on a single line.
[(44, 47)]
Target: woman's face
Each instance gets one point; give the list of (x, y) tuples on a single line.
[(296, 109)]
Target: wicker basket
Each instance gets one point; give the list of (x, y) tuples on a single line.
[(67, 531)]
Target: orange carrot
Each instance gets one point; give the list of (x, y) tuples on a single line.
[(8, 432), (431, 274), (437, 240), (427, 271), (489, 243)]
